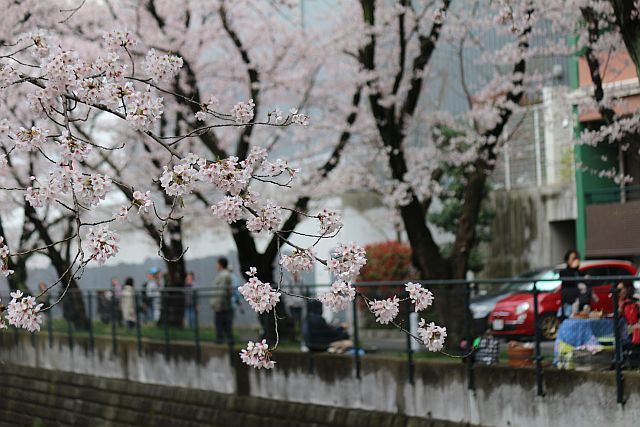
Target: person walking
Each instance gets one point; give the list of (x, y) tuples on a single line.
[(128, 303), (221, 302), (569, 290), (189, 300)]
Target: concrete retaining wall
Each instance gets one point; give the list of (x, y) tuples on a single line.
[(503, 396)]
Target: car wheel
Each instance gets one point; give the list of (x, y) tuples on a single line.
[(548, 324)]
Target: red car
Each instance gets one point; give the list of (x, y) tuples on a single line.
[(512, 317)]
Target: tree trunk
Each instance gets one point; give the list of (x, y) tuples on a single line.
[(249, 256), (173, 297), (629, 28), (72, 303)]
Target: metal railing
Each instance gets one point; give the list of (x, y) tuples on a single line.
[(612, 195), (104, 319)]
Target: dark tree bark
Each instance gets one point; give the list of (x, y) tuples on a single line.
[(73, 302), (629, 28)]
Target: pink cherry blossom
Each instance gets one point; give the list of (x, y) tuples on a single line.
[(260, 296), (142, 201), (339, 296), (330, 221), (257, 355), (346, 261), (432, 336), (23, 312), (31, 139), (161, 68), (229, 209), (299, 260), (102, 243), (385, 310), (421, 297), (268, 218), (242, 112)]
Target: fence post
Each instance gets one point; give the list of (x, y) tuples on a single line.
[(538, 355), (307, 342), (471, 383), (617, 358), (165, 323), (50, 326), (409, 343), (356, 336), (196, 324), (90, 306), (70, 334), (136, 299), (114, 340)]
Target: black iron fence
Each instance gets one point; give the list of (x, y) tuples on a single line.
[(520, 309)]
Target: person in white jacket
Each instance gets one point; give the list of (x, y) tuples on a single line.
[(128, 303)]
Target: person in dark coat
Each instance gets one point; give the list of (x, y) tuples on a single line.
[(318, 334), (569, 289)]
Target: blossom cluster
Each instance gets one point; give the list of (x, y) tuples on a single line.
[(346, 261), (260, 296), (242, 112), (4, 258), (103, 243), (142, 201), (330, 221), (385, 310), (432, 335), (267, 218), (89, 189), (299, 260), (421, 297), (339, 296), (24, 312), (30, 139), (92, 188), (161, 68), (257, 355)]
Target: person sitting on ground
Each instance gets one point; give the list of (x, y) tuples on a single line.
[(318, 334)]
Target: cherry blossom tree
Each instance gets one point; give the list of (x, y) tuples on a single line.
[(68, 89)]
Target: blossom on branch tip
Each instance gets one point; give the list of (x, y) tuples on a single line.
[(31, 139), (23, 312), (242, 112), (117, 39), (421, 297), (260, 296), (431, 335), (385, 310), (161, 68), (299, 260), (257, 355), (330, 221), (228, 209), (346, 261), (103, 243), (267, 218), (142, 201), (339, 296)]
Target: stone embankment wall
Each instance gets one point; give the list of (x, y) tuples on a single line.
[(126, 387)]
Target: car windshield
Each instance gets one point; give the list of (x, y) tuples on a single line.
[(549, 284), (546, 281)]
